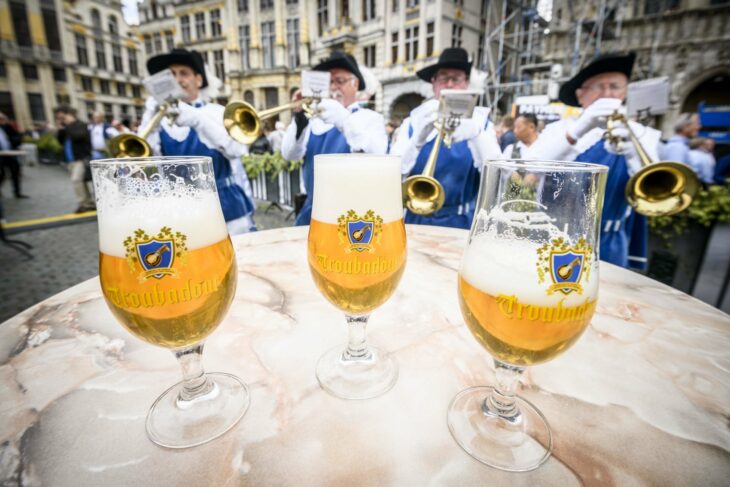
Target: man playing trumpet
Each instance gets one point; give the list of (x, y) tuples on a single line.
[(457, 167), (600, 89), (340, 126), (198, 131)]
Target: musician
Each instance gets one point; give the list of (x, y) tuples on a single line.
[(341, 125), (600, 89), (198, 131), (457, 167)]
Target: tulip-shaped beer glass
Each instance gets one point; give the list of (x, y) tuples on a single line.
[(527, 288), (168, 273), (357, 254)]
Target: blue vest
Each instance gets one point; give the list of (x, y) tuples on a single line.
[(330, 142), (456, 172), (623, 231), (234, 201)]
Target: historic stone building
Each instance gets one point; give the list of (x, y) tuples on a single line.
[(266, 43), (81, 53), (686, 40)]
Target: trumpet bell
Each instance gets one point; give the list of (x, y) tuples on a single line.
[(242, 122), (129, 145), (423, 195), (662, 188)]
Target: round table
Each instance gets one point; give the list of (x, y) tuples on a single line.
[(642, 398)]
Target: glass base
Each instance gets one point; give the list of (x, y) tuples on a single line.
[(518, 444), (357, 378), (175, 423)]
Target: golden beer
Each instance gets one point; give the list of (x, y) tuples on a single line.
[(521, 333), (511, 311), (173, 311), (356, 282)]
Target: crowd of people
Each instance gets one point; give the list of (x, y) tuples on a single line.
[(344, 124)]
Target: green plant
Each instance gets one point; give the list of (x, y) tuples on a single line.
[(271, 164), (46, 142), (711, 205)]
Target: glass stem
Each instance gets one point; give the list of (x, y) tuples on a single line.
[(195, 382), (357, 347), (501, 402)]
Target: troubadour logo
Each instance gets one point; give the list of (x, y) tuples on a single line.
[(565, 264), (359, 233), (156, 255)]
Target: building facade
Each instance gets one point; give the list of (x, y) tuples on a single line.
[(33, 71), (686, 40), (79, 53), (267, 43), (105, 54)]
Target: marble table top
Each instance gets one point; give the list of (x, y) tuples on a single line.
[(642, 398)]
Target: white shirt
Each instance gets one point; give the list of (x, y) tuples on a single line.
[(364, 130), (553, 145), (98, 141), (483, 147)]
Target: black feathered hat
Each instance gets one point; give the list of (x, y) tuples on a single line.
[(342, 60), (609, 63), (452, 57), (178, 56)]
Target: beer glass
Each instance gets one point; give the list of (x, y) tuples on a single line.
[(168, 274), (527, 288), (357, 254)]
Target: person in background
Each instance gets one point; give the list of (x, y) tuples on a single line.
[(457, 167), (600, 89), (119, 126), (276, 136), (506, 132), (701, 158), (73, 135), (10, 139), (686, 127), (391, 130), (100, 132), (340, 127), (722, 170), (526, 133), (198, 131)]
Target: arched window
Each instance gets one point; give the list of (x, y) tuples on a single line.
[(113, 26), (95, 20)]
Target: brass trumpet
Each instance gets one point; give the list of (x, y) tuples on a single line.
[(659, 188), (135, 145), (243, 122), (422, 193)]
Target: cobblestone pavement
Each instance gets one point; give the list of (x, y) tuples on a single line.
[(64, 255)]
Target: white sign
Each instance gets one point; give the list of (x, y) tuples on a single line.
[(164, 87), (532, 100), (648, 97), (458, 103), (315, 84)]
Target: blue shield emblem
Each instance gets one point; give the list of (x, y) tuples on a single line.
[(360, 234), (156, 257), (566, 270)]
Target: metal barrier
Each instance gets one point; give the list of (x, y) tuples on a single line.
[(282, 189)]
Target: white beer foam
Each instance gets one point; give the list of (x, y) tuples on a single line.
[(509, 266), (197, 217), (358, 182)]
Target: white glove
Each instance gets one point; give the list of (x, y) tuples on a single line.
[(426, 128), (621, 143), (593, 116), (467, 129), (333, 113), (185, 115), (150, 104)]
